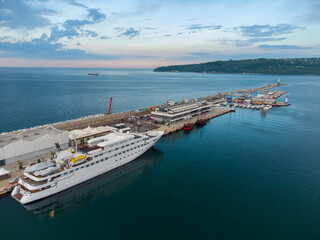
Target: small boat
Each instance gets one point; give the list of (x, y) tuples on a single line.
[(78, 159), (253, 106), (236, 105), (201, 122), (47, 171), (258, 107), (94, 74), (276, 105), (249, 106), (188, 126), (38, 167), (268, 107)]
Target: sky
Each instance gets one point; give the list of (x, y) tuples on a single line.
[(150, 33)]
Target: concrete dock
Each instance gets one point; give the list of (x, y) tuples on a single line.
[(122, 117)]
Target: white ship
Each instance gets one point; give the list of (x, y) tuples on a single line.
[(68, 169)]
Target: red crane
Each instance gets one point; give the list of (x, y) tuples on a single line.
[(109, 109)]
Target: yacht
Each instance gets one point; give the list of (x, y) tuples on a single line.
[(69, 168)]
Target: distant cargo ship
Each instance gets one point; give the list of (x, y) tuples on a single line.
[(96, 74)]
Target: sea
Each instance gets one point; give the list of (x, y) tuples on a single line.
[(246, 175)]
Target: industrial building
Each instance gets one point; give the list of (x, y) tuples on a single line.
[(172, 112), (30, 143)]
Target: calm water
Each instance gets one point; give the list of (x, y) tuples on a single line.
[(245, 175)]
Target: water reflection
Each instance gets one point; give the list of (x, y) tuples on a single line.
[(103, 185)]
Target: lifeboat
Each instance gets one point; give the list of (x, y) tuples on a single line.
[(77, 160), (188, 127)]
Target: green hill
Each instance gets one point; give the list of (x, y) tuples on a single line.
[(294, 66)]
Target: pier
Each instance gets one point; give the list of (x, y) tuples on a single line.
[(136, 120)]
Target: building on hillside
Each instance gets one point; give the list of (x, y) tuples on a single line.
[(30, 143)]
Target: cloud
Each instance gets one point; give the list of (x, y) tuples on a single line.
[(258, 31), (17, 14), (128, 32), (283, 47), (141, 9), (199, 27), (104, 37), (95, 15), (251, 41), (312, 14), (263, 33), (89, 33), (74, 3), (42, 48), (73, 27)]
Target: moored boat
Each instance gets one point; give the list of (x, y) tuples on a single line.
[(201, 122), (69, 169), (188, 126)]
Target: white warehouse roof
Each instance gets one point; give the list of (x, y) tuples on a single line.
[(30, 142)]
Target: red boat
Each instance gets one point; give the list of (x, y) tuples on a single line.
[(188, 126), (201, 122), (276, 105)]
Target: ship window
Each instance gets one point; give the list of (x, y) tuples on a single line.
[(127, 145), (117, 149), (96, 156), (122, 147), (82, 167), (77, 169), (106, 158), (97, 161), (87, 165), (132, 143), (92, 164), (100, 154), (116, 155)]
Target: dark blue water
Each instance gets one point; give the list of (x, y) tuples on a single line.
[(245, 175)]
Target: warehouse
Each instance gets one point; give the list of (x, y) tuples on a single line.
[(30, 143)]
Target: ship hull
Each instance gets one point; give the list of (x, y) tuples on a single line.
[(82, 175)]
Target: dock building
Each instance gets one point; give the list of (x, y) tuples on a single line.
[(173, 112), (30, 143)]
